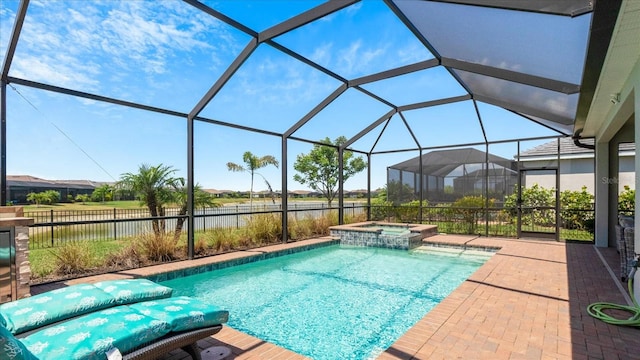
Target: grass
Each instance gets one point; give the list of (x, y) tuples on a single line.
[(79, 257), (43, 263)]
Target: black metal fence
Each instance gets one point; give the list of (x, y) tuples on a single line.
[(52, 228), (575, 224)]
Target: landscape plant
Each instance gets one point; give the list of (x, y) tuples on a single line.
[(129, 256), (82, 198), (410, 211), (201, 199), (381, 209), (157, 248), (263, 228), (532, 197), (152, 186), (72, 257), (576, 208), (102, 193), (627, 201), (251, 164), (399, 193), (319, 169), (157, 187), (471, 209), (48, 197)]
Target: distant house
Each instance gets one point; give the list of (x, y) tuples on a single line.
[(356, 194), (448, 175), (298, 194), (219, 193), (19, 186), (576, 165)]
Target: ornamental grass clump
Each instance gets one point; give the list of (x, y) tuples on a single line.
[(72, 258), (321, 224), (158, 248), (299, 228), (128, 257), (262, 228)]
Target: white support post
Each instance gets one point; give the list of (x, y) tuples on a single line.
[(602, 194), (636, 86)]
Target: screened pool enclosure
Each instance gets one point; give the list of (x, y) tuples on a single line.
[(194, 84), (448, 175)]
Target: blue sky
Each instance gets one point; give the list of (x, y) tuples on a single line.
[(168, 54)]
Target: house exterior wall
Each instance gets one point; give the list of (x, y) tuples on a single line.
[(576, 173)]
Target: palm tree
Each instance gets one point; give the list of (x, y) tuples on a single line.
[(253, 163), (201, 198), (153, 186)]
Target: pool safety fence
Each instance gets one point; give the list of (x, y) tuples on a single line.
[(53, 228)]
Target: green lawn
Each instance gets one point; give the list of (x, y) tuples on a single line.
[(43, 260)]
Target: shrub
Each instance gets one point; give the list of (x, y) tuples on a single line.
[(128, 257), (381, 209), (321, 224), (533, 196), (262, 228), (627, 201), (157, 248), (200, 246), (83, 198), (72, 258), (299, 229), (355, 218), (575, 206), (471, 209), (410, 211)]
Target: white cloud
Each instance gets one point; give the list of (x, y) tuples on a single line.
[(54, 71), (356, 59), (89, 45), (322, 53)]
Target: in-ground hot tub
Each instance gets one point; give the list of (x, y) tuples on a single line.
[(383, 234)]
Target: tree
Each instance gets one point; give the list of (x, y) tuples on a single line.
[(48, 197), (83, 198), (102, 193), (319, 169), (36, 198), (399, 193), (51, 197), (152, 186), (251, 164), (201, 198)]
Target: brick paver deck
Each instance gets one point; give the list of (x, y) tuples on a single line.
[(527, 302)]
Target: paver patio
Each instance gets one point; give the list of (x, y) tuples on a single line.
[(527, 302)]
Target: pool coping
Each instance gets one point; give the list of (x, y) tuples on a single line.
[(425, 230), (527, 301)]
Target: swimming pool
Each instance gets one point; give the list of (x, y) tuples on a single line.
[(334, 302)]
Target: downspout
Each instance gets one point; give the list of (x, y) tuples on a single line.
[(576, 141)]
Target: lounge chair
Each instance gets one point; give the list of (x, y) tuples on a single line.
[(139, 322)]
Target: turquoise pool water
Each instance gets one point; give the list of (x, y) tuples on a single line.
[(334, 302)]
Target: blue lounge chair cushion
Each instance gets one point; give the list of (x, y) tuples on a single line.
[(46, 308), (183, 313), (129, 291), (91, 336), (11, 348), (61, 304)]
